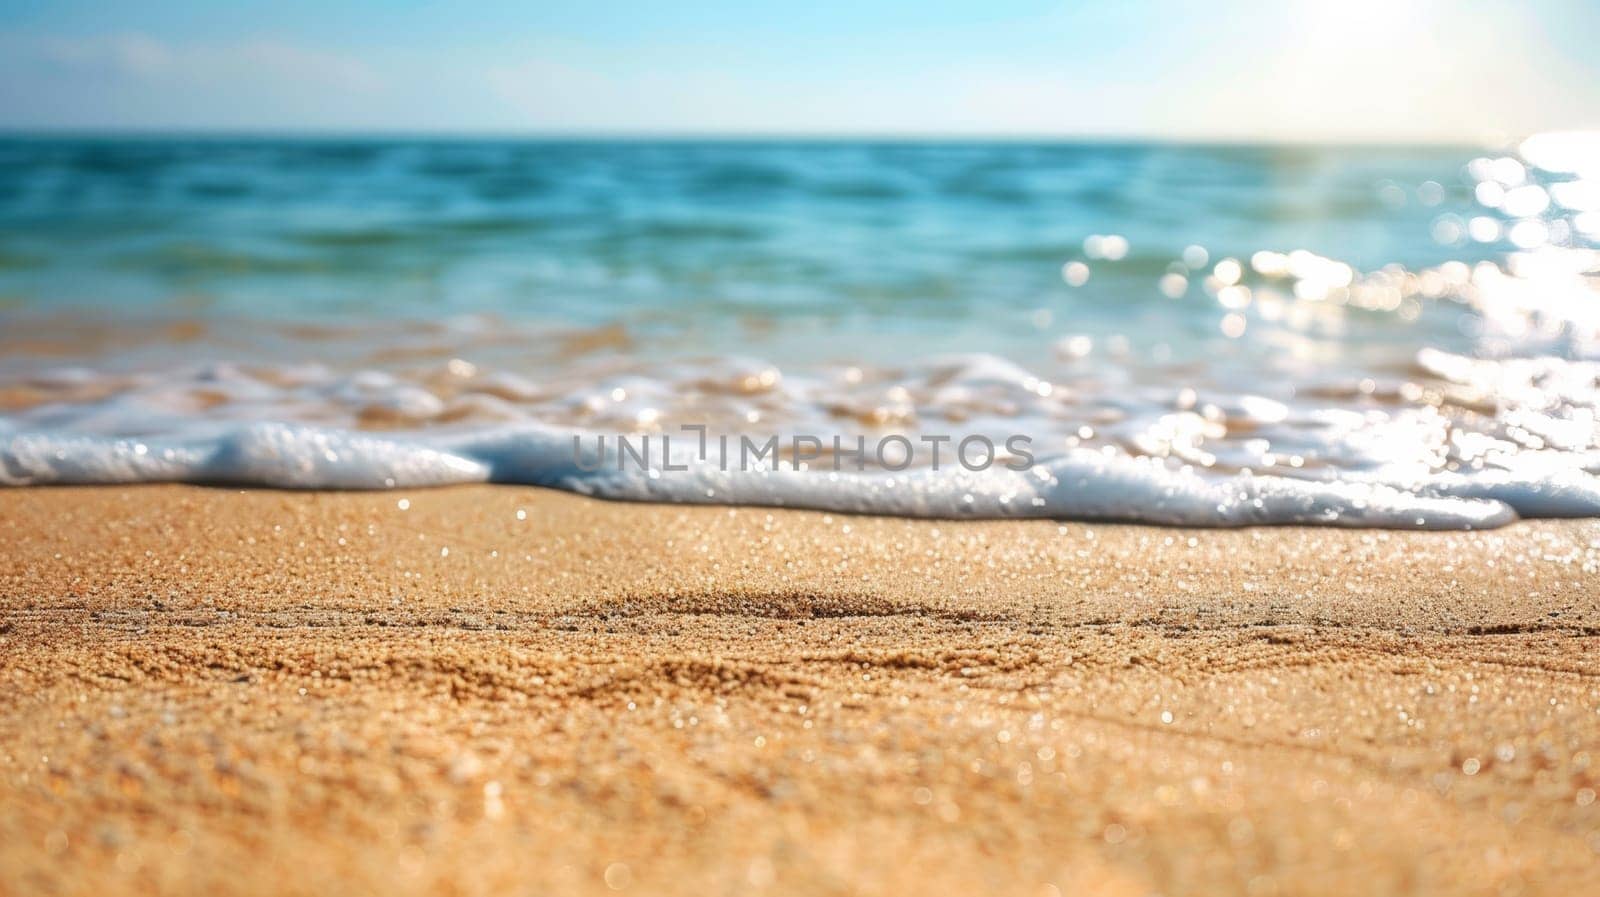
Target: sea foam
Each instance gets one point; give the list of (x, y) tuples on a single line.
[(1082, 484)]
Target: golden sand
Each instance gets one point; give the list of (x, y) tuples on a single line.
[(512, 691)]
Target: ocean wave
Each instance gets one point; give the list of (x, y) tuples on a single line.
[(1080, 485), (1438, 366), (1411, 454)]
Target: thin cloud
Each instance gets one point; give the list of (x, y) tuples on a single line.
[(137, 56)]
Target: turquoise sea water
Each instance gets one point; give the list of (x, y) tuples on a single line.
[(872, 244), (1259, 323)]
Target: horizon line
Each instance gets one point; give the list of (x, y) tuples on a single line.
[(732, 136)]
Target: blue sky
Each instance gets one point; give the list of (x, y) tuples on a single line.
[(1226, 69)]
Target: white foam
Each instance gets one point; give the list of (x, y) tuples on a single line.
[(1089, 485)]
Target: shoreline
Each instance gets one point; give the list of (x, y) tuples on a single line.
[(592, 697)]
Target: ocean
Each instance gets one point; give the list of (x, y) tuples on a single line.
[(1186, 334)]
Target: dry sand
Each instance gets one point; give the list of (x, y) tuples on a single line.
[(501, 690)]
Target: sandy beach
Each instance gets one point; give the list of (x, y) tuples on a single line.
[(506, 690), (777, 450)]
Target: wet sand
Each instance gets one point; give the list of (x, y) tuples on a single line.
[(505, 690)]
